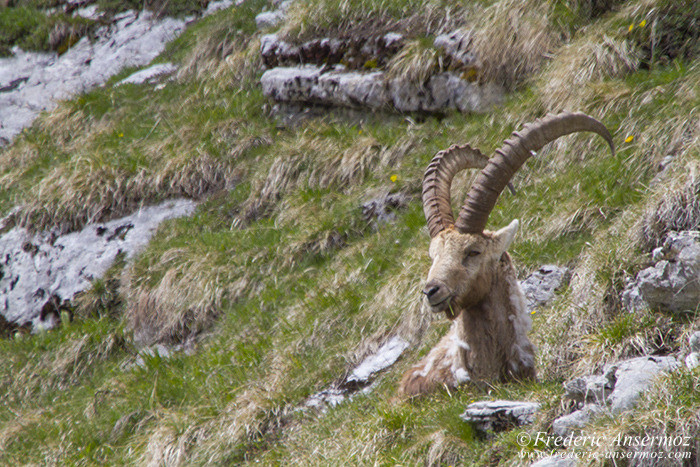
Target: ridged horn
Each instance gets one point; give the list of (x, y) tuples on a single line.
[(438, 180), (489, 184)]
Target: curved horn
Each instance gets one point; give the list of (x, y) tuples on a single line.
[(438, 180), (512, 155)]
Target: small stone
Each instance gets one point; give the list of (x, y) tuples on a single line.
[(149, 74), (566, 424), (500, 415)]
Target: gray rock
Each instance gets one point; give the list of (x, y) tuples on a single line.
[(353, 52), (271, 19), (539, 287), (456, 45), (337, 87), (634, 376), (149, 75), (616, 391), (576, 420), (674, 281), (384, 357), (555, 461), (591, 389), (500, 415), (131, 40), (382, 210), (42, 271)]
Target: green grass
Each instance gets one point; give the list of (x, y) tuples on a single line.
[(32, 29), (280, 299)]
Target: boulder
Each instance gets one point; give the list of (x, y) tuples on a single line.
[(693, 358), (382, 209)]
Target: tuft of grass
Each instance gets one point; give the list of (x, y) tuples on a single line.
[(416, 62), (511, 40)]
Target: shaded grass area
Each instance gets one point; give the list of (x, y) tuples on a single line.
[(280, 287), (31, 29)]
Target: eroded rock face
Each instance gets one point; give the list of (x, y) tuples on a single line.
[(40, 273), (355, 53), (674, 280), (337, 87), (617, 390)]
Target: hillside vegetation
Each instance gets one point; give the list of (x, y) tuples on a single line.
[(278, 286)]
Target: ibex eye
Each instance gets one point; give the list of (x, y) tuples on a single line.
[(471, 254)]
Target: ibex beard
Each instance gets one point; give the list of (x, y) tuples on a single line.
[(472, 278)]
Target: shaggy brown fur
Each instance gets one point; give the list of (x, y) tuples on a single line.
[(478, 288)]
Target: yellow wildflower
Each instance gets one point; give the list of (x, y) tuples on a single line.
[(629, 139), (120, 135), (643, 23), (394, 177), (631, 27)]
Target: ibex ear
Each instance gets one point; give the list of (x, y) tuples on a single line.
[(505, 236)]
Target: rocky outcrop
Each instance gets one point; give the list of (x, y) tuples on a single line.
[(41, 272), (32, 82), (673, 282), (338, 87), (499, 415), (615, 391), (353, 53)]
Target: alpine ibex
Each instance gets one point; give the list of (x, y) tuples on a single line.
[(472, 277)]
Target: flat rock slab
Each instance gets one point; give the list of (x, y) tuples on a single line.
[(500, 415), (338, 87), (150, 74), (39, 272)]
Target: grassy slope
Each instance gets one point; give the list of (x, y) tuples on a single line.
[(289, 286)]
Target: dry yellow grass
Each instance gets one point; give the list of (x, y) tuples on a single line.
[(511, 40)]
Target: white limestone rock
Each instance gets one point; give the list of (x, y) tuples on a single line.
[(133, 39), (150, 74), (39, 272), (337, 87)]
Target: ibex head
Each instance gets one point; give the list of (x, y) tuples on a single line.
[(464, 255)]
